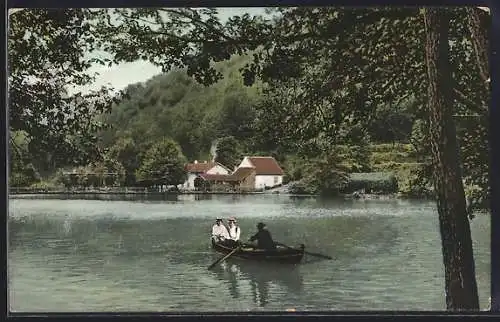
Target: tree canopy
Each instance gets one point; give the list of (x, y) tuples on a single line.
[(163, 164), (47, 57), (228, 152)]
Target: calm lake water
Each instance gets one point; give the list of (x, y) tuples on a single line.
[(96, 255)]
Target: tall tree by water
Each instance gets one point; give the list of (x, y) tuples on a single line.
[(126, 152), (460, 279), (163, 164)]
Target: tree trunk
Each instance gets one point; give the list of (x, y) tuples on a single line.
[(460, 280)]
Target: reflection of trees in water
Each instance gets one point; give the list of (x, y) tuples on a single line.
[(203, 197), (258, 277)]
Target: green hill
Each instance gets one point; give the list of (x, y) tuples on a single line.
[(174, 105)]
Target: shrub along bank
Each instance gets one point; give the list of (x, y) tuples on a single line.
[(389, 169)]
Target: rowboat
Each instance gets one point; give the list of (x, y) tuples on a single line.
[(282, 254)]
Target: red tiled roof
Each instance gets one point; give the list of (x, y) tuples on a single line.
[(242, 173), (199, 167), (218, 177), (266, 166)]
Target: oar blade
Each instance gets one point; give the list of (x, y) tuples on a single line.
[(306, 252), (224, 257), (319, 255), (213, 264)]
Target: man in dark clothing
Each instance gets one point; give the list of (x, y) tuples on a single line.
[(263, 237)]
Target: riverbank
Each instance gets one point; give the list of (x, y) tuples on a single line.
[(91, 194), (125, 193)]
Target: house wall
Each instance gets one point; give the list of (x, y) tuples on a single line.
[(217, 169), (189, 183), (262, 181), (248, 183)]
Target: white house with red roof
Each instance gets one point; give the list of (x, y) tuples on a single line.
[(268, 173), (195, 169)]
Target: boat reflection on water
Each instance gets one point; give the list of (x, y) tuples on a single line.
[(259, 279)]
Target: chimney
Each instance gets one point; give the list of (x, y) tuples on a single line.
[(195, 161)]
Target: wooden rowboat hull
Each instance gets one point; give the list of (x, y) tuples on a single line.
[(280, 255)]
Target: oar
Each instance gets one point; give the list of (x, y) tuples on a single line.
[(306, 252), (224, 257)]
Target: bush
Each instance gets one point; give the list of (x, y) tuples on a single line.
[(391, 156), (413, 178), (397, 167), (293, 167), (415, 181), (475, 197), (299, 188), (62, 179), (372, 182), (286, 178), (23, 177), (353, 158), (46, 185), (390, 147)]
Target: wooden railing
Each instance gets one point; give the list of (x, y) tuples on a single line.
[(117, 190)]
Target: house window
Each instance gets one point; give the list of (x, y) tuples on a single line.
[(276, 179)]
